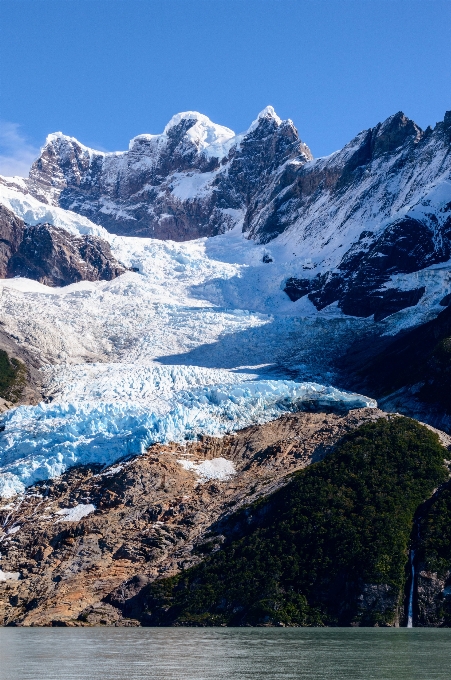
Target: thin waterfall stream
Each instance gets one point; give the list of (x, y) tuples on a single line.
[(410, 609)]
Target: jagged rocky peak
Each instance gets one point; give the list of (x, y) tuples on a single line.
[(393, 132), (63, 161), (387, 137), (378, 208), (194, 179)]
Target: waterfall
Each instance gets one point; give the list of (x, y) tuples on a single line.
[(410, 610)]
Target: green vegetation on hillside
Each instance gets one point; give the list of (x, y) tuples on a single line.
[(433, 559), (330, 548), (12, 377), (435, 535)]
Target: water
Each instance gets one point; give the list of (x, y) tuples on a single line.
[(224, 654)]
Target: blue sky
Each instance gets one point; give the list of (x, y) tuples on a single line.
[(106, 70)]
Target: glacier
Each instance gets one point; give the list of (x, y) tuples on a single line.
[(41, 442), (201, 340)]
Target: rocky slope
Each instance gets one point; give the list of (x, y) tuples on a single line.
[(83, 549), (145, 518), (332, 547), (51, 255), (20, 377)]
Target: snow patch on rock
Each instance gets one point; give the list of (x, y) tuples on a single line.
[(76, 513), (9, 575), (220, 469)]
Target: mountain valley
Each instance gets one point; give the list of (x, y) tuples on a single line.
[(194, 331)]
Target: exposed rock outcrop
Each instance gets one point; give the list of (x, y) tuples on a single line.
[(51, 255), (26, 383), (12, 229)]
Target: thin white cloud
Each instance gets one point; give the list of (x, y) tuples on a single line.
[(16, 153)]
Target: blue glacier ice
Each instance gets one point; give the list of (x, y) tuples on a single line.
[(41, 442)]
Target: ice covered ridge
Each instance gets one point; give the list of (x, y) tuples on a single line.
[(41, 442)]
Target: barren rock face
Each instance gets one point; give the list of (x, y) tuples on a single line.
[(11, 235), (430, 598), (51, 255), (82, 546)]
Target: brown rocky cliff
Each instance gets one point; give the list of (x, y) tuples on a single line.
[(152, 518)]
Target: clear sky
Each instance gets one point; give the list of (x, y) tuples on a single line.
[(106, 70)]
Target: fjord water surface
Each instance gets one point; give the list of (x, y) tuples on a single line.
[(222, 654)]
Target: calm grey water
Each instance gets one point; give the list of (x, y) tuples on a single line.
[(220, 654)]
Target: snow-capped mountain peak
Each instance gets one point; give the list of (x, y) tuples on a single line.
[(141, 191), (201, 131), (267, 113), (376, 209)]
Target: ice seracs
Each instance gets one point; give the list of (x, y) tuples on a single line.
[(42, 441)]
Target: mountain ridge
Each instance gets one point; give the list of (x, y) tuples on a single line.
[(377, 209)]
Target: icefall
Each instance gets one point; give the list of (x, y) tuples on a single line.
[(41, 442)]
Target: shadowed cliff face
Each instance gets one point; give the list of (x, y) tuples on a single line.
[(51, 255), (409, 373)]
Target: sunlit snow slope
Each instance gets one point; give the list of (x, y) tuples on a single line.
[(212, 334), (202, 339)]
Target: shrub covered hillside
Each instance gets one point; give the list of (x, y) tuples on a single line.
[(330, 548), (432, 541), (12, 377)]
